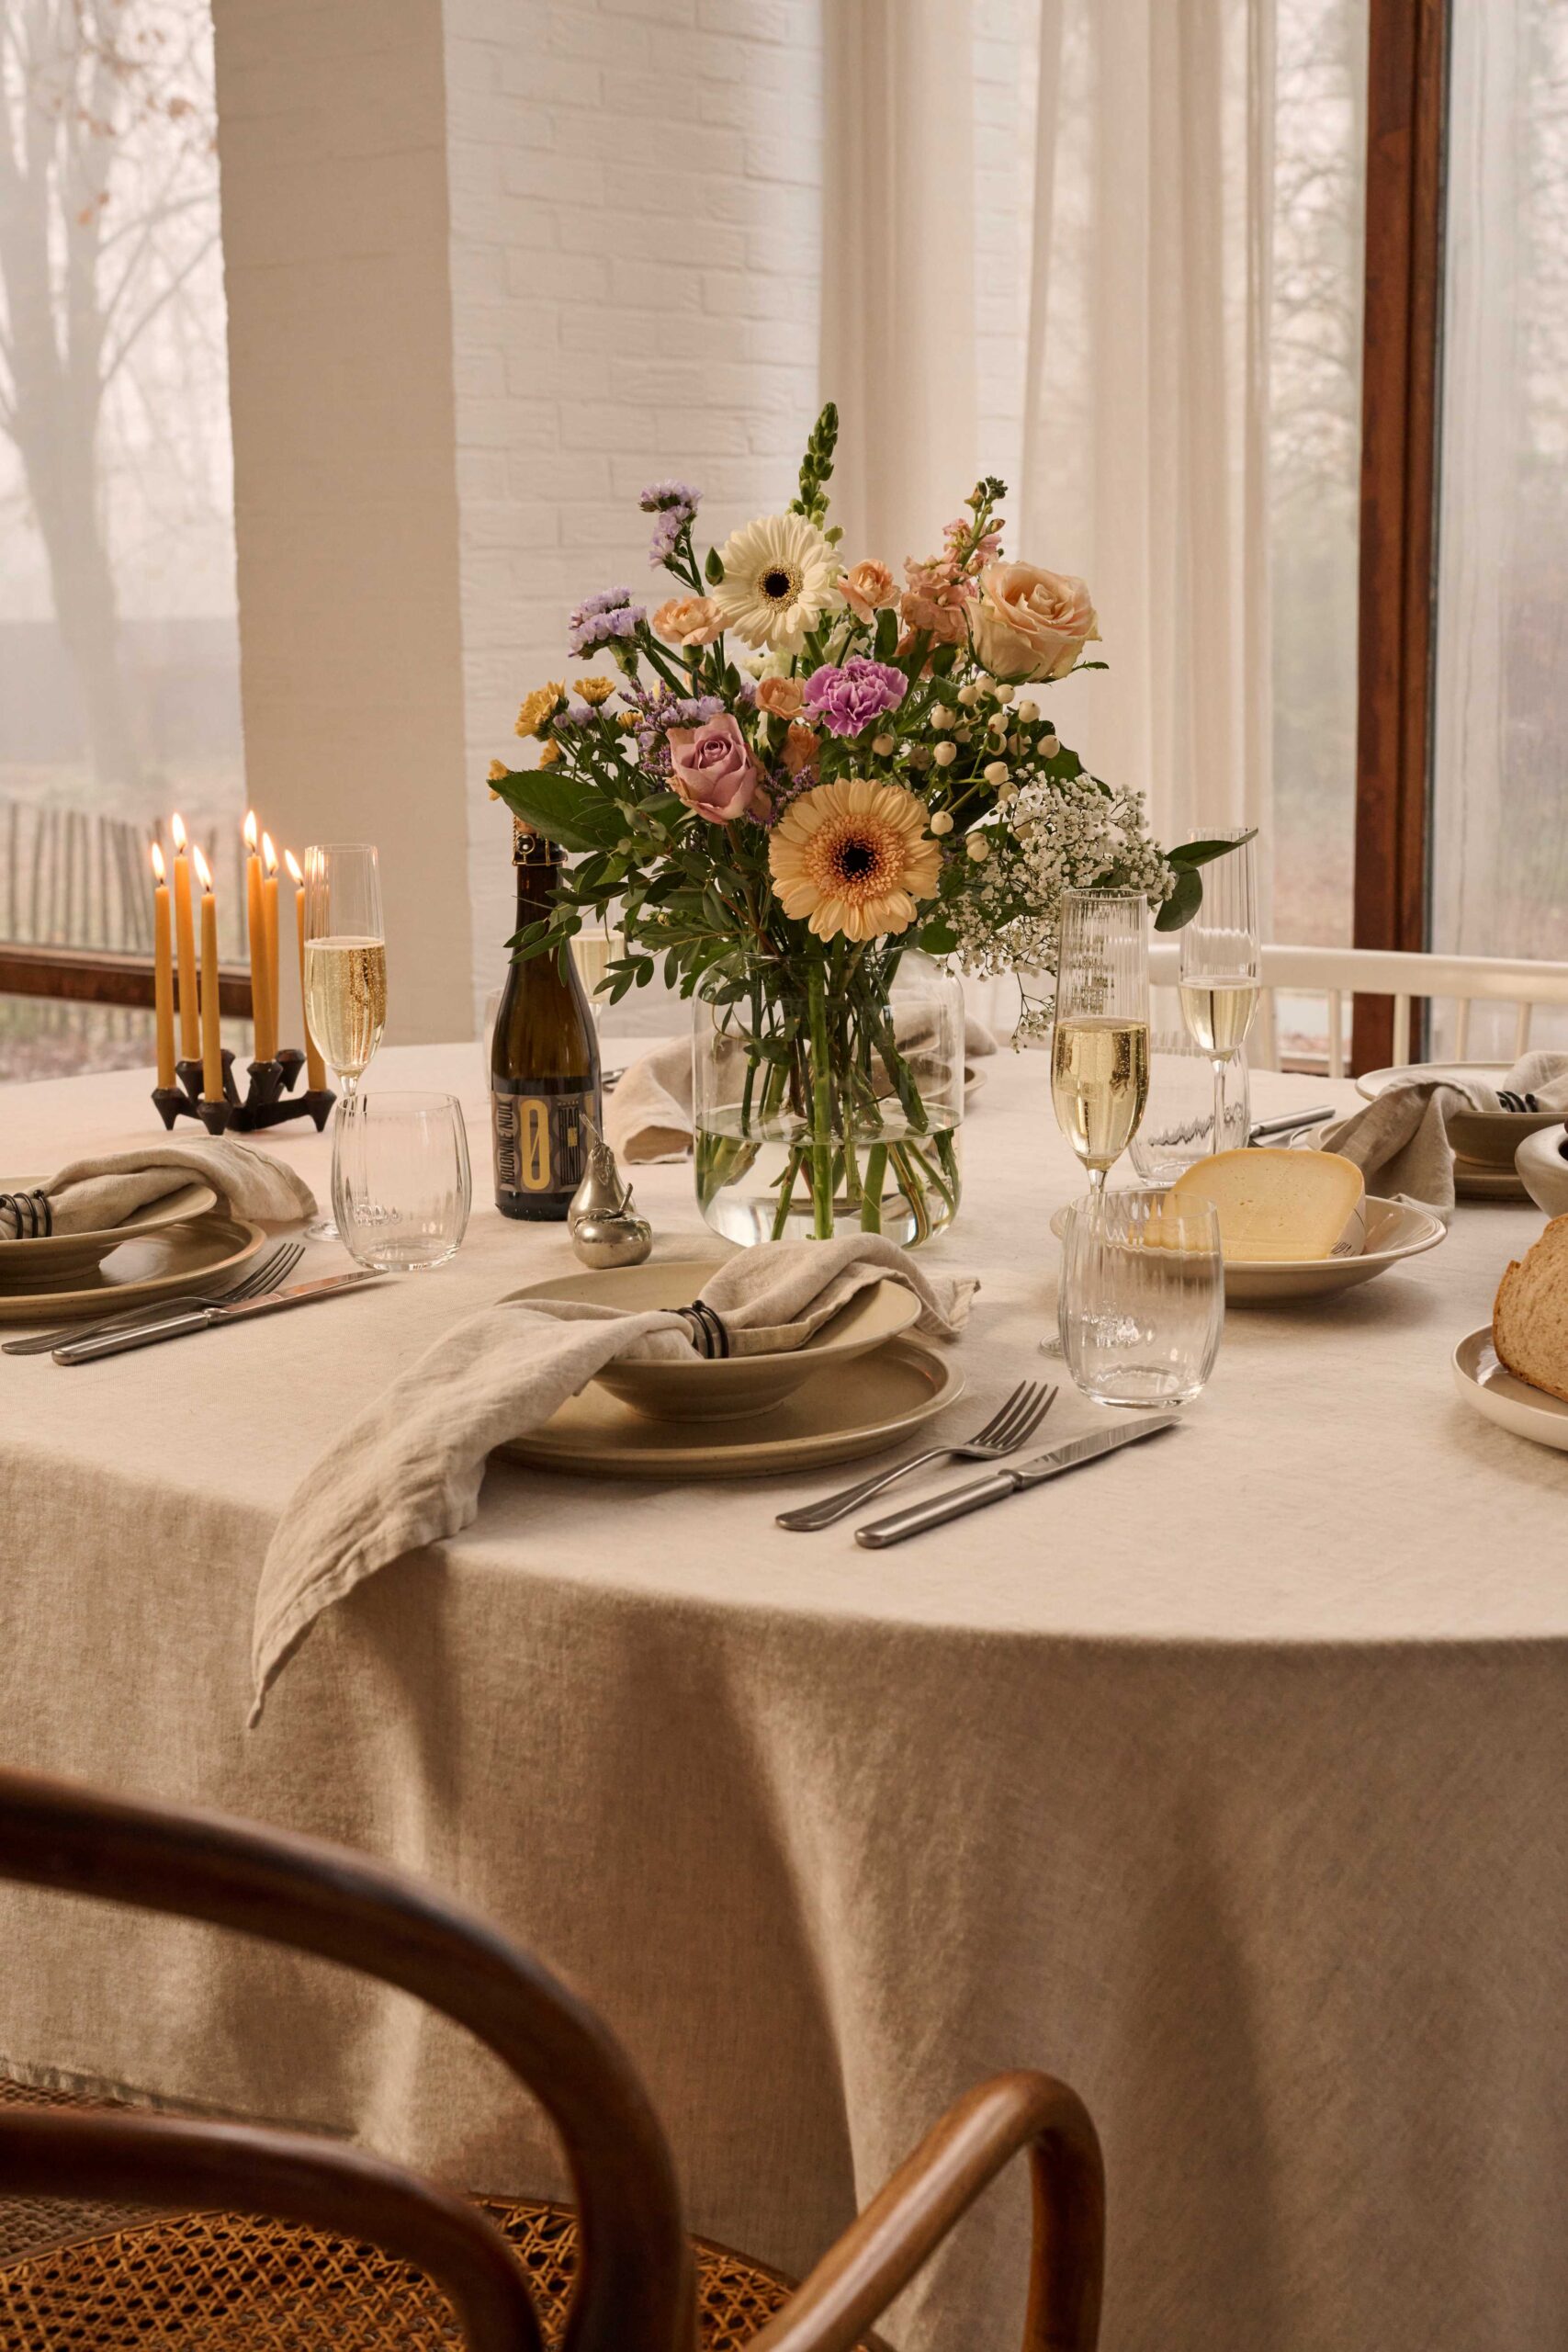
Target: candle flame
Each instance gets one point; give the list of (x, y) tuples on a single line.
[(157, 863), (295, 874), (251, 830), (203, 870), (269, 853), (177, 828)]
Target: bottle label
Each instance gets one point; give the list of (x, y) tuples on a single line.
[(541, 1136)]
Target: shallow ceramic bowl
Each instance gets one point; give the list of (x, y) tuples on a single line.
[(738, 1387), (1542, 1169), (1393, 1233), (51, 1261), (1488, 1139)]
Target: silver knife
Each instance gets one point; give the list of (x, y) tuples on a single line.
[(1000, 1483), (202, 1319), (1291, 1123)]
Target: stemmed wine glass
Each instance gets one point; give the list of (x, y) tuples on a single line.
[(1221, 961), (1099, 1047), (346, 971)]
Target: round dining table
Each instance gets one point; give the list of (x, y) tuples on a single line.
[(1227, 1779)]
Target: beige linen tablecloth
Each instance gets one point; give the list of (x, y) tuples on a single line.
[(1229, 1780)]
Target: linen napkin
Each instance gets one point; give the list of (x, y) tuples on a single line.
[(408, 1471), (93, 1194), (1400, 1142), (648, 1116)]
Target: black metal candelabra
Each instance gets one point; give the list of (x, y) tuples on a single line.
[(268, 1099)]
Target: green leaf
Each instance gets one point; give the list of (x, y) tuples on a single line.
[(886, 633), (561, 808), (1183, 902), (1188, 854), (939, 938)]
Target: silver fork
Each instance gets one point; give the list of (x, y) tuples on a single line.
[(1009, 1427), (268, 1274)]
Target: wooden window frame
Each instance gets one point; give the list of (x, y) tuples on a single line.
[(95, 976), (1401, 425)]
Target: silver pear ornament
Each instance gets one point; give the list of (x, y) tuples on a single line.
[(603, 1222)]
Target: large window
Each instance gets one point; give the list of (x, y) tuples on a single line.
[(119, 650), (1499, 843)]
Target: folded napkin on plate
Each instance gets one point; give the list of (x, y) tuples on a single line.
[(408, 1471), (648, 1116), (92, 1196), (1400, 1142)]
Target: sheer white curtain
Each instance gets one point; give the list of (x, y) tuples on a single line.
[(1142, 184)]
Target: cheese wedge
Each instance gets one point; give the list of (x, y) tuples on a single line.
[(1529, 1318), (1277, 1205)]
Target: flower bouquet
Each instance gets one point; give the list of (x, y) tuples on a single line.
[(804, 782)]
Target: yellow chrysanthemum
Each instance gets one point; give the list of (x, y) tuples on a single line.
[(538, 706), (853, 857), (549, 753), (594, 690), (498, 770)]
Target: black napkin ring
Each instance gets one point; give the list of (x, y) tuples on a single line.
[(709, 1337), (32, 1214)]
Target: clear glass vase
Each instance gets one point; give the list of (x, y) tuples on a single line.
[(828, 1095)]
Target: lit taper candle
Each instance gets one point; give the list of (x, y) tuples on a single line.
[(185, 937), (211, 1040), (163, 973)]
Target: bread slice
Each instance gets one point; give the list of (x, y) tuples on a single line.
[(1277, 1205), (1530, 1315)]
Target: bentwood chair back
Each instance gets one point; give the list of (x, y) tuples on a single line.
[(1341, 973), (635, 2281)]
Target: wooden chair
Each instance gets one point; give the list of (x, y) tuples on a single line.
[(1339, 973), (618, 2274)]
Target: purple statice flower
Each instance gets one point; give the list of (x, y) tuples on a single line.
[(601, 621), (670, 497), (847, 697)]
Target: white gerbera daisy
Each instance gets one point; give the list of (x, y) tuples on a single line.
[(780, 575)]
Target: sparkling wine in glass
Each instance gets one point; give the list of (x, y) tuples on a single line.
[(345, 970), (1221, 960), (1099, 1045)]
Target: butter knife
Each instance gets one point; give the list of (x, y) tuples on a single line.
[(202, 1319), (999, 1484)]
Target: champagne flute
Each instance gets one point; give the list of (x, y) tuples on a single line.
[(1221, 961), (1099, 1045), (346, 971)]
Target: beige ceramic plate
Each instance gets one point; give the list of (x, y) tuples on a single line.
[(744, 1386), (54, 1259), (1393, 1233), (1489, 1389), (1476, 1183), (157, 1265), (828, 1419), (1488, 1138)]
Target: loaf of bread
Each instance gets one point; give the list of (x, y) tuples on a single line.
[(1530, 1316), (1281, 1206)]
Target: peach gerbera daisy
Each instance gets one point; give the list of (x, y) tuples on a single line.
[(853, 857)]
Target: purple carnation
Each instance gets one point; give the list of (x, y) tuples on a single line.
[(847, 698)]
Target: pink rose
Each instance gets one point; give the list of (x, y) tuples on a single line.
[(1031, 624), (713, 773)]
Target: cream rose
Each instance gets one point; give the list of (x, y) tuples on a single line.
[(867, 588), (688, 620), (1031, 624)]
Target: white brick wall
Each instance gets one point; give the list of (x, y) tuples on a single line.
[(636, 241)]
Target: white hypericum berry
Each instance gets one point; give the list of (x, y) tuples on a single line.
[(1048, 746), (942, 822), (969, 695), (920, 757), (998, 722), (942, 717), (1028, 711), (883, 746), (995, 772), (978, 847), (944, 754)]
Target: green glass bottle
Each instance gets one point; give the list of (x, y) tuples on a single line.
[(544, 1058)]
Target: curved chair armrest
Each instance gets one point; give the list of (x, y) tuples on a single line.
[(288, 2177), (902, 2227)]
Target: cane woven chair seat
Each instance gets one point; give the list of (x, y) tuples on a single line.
[(216, 2282)]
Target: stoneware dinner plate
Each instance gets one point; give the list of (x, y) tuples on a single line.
[(212, 1251), (827, 1419), (55, 1260), (738, 1387), (1491, 1390), (1486, 1138), (1393, 1233)]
